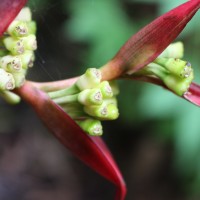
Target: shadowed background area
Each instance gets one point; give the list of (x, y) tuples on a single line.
[(156, 140)]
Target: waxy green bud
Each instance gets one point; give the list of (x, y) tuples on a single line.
[(32, 28), (90, 97), (27, 59), (99, 111), (177, 84), (11, 63), (103, 112), (178, 67), (19, 78), (105, 88), (91, 126), (18, 29), (113, 112), (6, 80), (30, 42), (24, 15), (112, 100), (174, 50), (15, 46), (10, 97), (90, 79)]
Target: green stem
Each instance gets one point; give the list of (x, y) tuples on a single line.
[(61, 93), (66, 99)]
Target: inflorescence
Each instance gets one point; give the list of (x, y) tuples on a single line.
[(89, 101), (175, 73), (17, 48)]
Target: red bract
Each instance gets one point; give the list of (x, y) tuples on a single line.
[(8, 11), (91, 150), (193, 94), (143, 47)]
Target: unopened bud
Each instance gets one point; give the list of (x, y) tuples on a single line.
[(91, 126), (18, 29), (90, 79), (174, 50), (19, 78), (6, 80), (11, 63), (178, 67), (27, 59), (15, 46), (90, 97), (105, 88), (30, 42), (24, 15)]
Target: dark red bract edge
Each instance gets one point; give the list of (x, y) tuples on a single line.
[(193, 94), (8, 11)]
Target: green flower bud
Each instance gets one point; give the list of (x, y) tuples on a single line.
[(105, 88), (15, 46), (177, 84), (30, 42), (32, 27), (6, 80), (112, 100), (27, 59), (90, 79), (113, 112), (174, 50), (91, 126), (24, 15), (11, 63), (102, 112), (99, 111), (178, 67), (19, 78), (90, 97), (18, 29), (10, 97)]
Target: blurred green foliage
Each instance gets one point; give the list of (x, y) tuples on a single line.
[(104, 25)]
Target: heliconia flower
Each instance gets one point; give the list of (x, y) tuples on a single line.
[(145, 46), (139, 51), (91, 150)]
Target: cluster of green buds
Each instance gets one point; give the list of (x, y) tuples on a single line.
[(175, 73), (17, 46), (89, 101)]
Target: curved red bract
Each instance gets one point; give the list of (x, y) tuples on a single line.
[(91, 150), (8, 11), (145, 46)]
